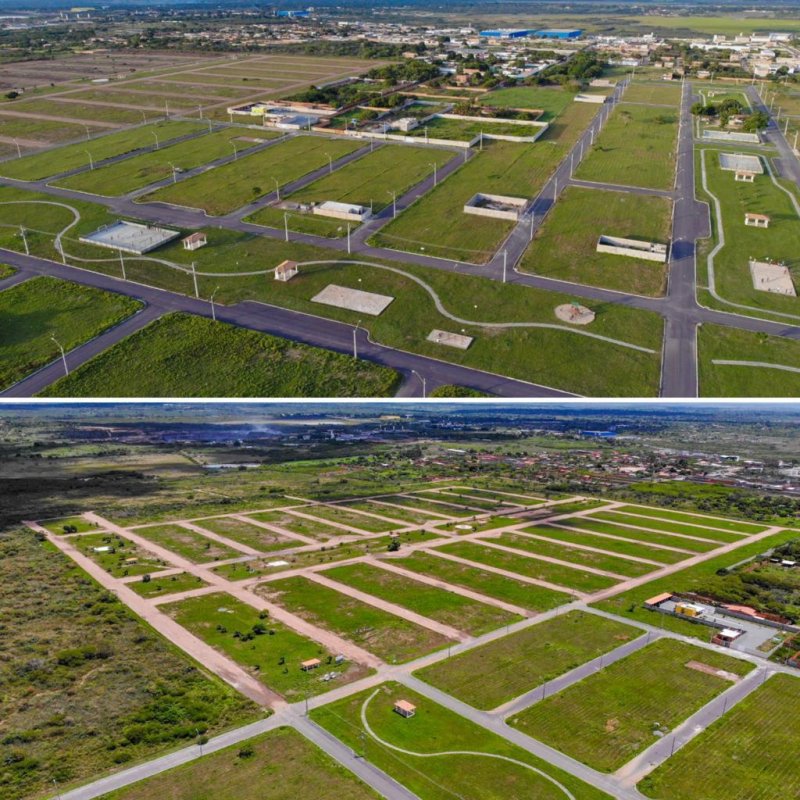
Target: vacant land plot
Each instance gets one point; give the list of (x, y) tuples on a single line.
[(584, 558), (736, 526), (278, 765), (300, 525), (780, 243), (224, 189), (719, 343), (117, 555), (567, 577), (462, 130), (628, 548), (475, 526), (565, 246), (524, 595), (446, 607), (551, 100), (391, 638), (436, 224), (187, 543), (635, 148), (669, 540), (181, 355), (63, 683), (654, 93), (369, 181), (139, 171), (72, 156), (611, 716), (435, 729), (66, 525), (34, 312), (265, 647), (402, 515), (471, 501), (668, 526), (747, 753), (55, 107), (342, 516), (524, 660), (440, 509), (246, 533), (40, 132), (502, 496), (156, 587)]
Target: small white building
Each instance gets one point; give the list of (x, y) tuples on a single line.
[(195, 241), (348, 211), (744, 176), (756, 220), (286, 270)]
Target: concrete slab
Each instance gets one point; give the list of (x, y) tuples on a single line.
[(353, 299), (450, 339)]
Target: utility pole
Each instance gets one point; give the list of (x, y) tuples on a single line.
[(19, 150), (122, 264), (235, 151), (63, 354), (286, 226), (194, 278), (24, 240), (348, 238), (174, 172), (355, 342), (277, 189), (91, 162), (424, 390), (505, 264), (213, 310)]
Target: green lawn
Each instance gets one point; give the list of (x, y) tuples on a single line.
[(47, 131), (6, 271), (658, 93), (644, 537), (586, 558), (564, 576), (341, 515), (435, 729), (629, 548), (463, 130), (717, 342), (391, 638), (157, 587), (402, 515), (636, 148), (780, 243), (55, 107), (224, 189), (118, 555), (33, 312), (80, 524), (551, 100), (305, 527), (135, 173), (443, 509), (246, 533), (749, 752), (62, 159), (266, 648), (565, 247), (526, 659), (695, 519), (279, 765), (669, 526), (181, 355), (367, 181), (188, 543), (438, 604), (612, 715)]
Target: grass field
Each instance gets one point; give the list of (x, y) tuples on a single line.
[(62, 159), (585, 558), (156, 587), (67, 715), (716, 342), (391, 638), (280, 764), (462, 130), (418, 501), (747, 753), (184, 542), (246, 533), (368, 181), (56, 108), (644, 537), (438, 604), (402, 515), (33, 312), (58, 526), (635, 148), (656, 93), (139, 171), (695, 519), (629, 548), (224, 189), (521, 661), (265, 647), (780, 243), (524, 595), (564, 576), (305, 527), (611, 716), (669, 526), (550, 100), (118, 555), (181, 355), (436, 224), (341, 515), (435, 729), (565, 247)]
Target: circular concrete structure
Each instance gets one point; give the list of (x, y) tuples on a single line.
[(575, 314)]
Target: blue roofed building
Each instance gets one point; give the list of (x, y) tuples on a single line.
[(557, 33)]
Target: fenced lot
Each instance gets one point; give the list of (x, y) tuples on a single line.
[(611, 716)]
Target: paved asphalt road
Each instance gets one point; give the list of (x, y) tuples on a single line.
[(679, 308), (294, 325)]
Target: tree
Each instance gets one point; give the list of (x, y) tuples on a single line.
[(394, 545), (756, 122)]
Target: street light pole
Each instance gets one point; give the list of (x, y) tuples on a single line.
[(194, 278), (235, 151), (330, 163), (505, 264), (394, 203), (422, 378), (435, 174), (19, 150), (63, 354), (174, 172), (348, 238), (156, 138), (213, 310), (122, 264), (86, 127), (24, 240), (91, 162), (277, 189), (286, 226), (355, 343)]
